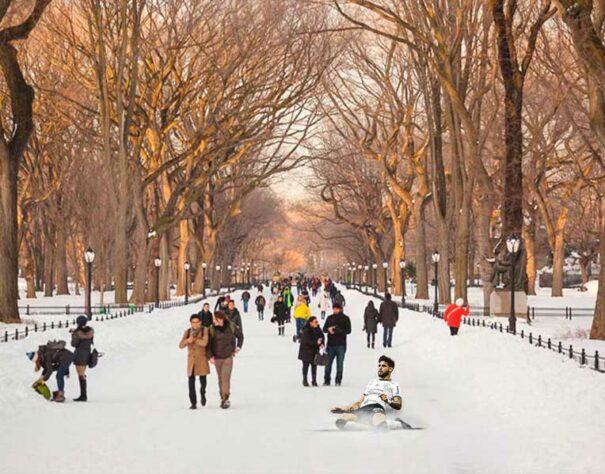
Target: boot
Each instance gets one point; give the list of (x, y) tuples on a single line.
[(83, 395), (305, 382), (60, 398), (203, 398), (368, 345), (314, 383), (372, 345)]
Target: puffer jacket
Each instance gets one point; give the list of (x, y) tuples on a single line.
[(302, 311), (82, 339)]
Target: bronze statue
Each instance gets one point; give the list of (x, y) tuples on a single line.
[(502, 267)]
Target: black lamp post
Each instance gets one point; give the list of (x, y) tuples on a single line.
[(187, 267), (365, 276), (220, 278), (359, 276), (89, 257), (204, 266), (436, 258), (385, 266), (375, 267), (512, 244), (229, 277), (248, 274), (158, 263), (402, 270)]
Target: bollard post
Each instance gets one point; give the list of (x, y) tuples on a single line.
[(539, 340), (26, 331), (570, 351), (522, 334), (533, 313), (52, 325), (596, 360), (16, 334), (500, 327), (583, 357), (67, 309), (560, 347), (570, 309), (549, 345), (59, 324), (44, 326), (5, 336), (27, 310), (531, 337), (36, 327)]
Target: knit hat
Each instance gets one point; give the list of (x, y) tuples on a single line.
[(459, 302), (30, 355), (336, 305), (81, 321)]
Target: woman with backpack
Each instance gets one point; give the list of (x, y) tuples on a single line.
[(82, 340), (311, 341), (52, 357), (370, 322), (195, 339)]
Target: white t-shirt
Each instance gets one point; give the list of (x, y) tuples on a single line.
[(376, 388)]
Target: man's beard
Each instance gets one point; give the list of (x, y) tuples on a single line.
[(383, 375)]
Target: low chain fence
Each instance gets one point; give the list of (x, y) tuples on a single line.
[(17, 334), (592, 361)]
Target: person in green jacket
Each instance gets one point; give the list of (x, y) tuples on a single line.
[(289, 301)]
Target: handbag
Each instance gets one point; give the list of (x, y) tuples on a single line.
[(94, 358), (320, 358)]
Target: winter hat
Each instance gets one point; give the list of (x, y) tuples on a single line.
[(336, 305), (459, 302), (30, 355), (81, 321)]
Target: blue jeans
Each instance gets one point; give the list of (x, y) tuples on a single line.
[(337, 352), (245, 306), (62, 371), (300, 323), (387, 337)]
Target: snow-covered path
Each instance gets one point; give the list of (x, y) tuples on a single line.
[(489, 403)]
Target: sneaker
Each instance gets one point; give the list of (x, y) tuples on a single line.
[(225, 404), (340, 423)]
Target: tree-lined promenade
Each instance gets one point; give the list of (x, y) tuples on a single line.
[(150, 129)]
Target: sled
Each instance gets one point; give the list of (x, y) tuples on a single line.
[(43, 390)]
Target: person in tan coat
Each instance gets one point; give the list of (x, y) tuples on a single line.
[(195, 339)]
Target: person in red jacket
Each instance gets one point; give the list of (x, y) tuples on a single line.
[(453, 315)]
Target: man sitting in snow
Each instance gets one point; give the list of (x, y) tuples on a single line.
[(380, 394)]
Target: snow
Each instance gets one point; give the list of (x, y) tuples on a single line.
[(488, 403)]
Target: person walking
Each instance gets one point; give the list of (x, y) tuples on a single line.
[(370, 323), (389, 315), (289, 302), (226, 340), (337, 326), (82, 339), (311, 341), (279, 315), (234, 315), (206, 315), (195, 339), (324, 304), (453, 315), (245, 300), (260, 303), (221, 302), (339, 299), (302, 313), (333, 291)]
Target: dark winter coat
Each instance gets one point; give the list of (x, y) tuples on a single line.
[(246, 296), (308, 343), (234, 317), (50, 360), (339, 299), (260, 302), (224, 339), (82, 339), (342, 324), (370, 319), (220, 302), (206, 318), (333, 291), (279, 311), (389, 314)]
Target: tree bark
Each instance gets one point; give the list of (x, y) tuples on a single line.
[(422, 279)]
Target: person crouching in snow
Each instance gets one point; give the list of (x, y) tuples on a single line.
[(380, 394), (453, 315), (52, 357), (311, 341), (195, 339)]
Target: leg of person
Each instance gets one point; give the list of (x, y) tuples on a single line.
[(305, 371), (340, 363), (384, 336), (192, 397), (245, 306), (62, 371), (454, 331), (314, 375), (373, 339), (227, 369), (323, 315), (81, 370), (218, 363), (203, 383), (328, 369), (390, 341), (379, 421)]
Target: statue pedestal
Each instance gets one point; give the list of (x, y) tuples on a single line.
[(499, 303)]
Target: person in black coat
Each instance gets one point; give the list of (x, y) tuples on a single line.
[(337, 326), (279, 315), (311, 340), (260, 306), (206, 315), (370, 322), (82, 340), (388, 316)]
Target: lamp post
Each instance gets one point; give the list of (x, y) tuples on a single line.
[(402, 270), (187, 267), (512, 244), (158, 263), (436, 258), (220, 278), (89, 257), (248, 274), (359, 276), (229, 277), (385, 265), (365, 276), (375, 267), (204, 265)]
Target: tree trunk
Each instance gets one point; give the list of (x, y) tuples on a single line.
[(183, 256), (139, 289), (462, 248), (483, 241), (165, 268), (559, 254), (529, 239), (49, 270), (61, 259), (422, 278), (597, 331)]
